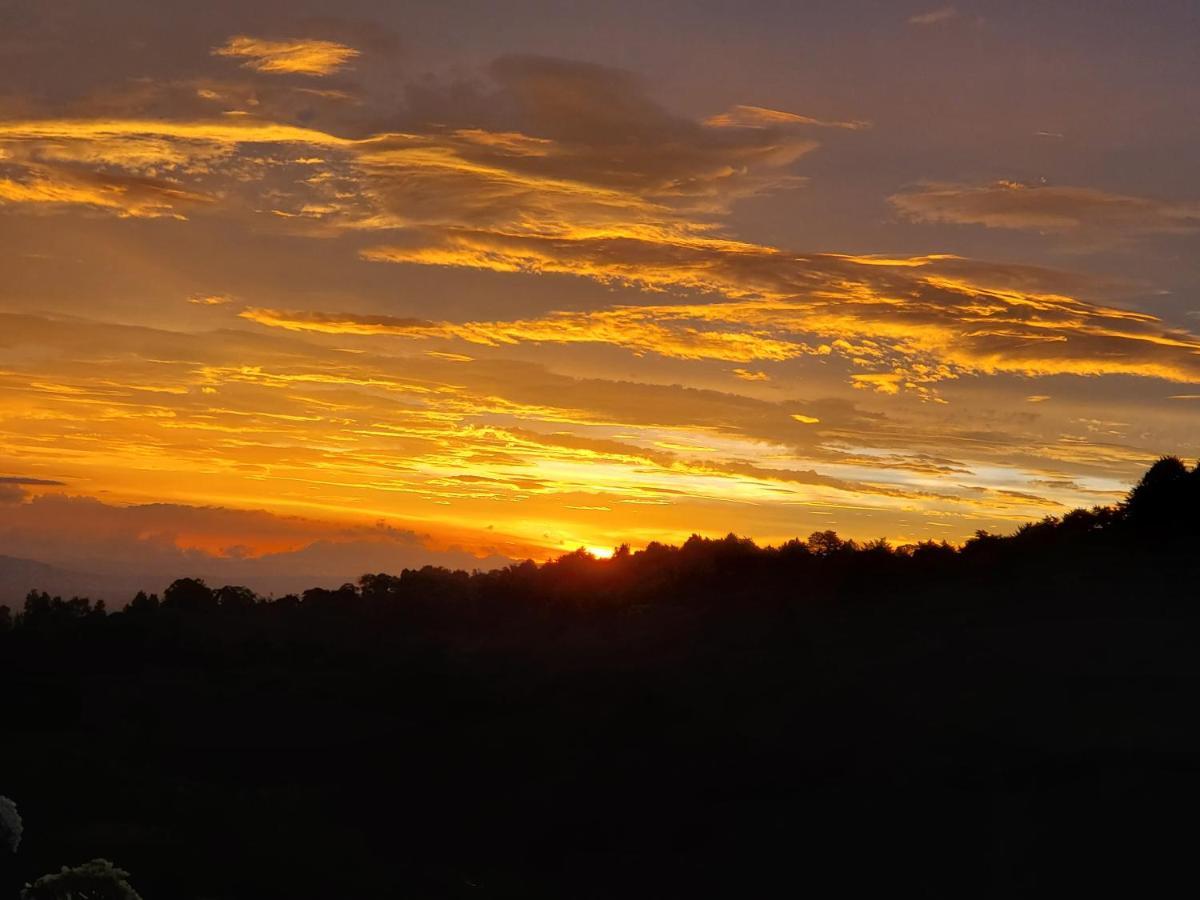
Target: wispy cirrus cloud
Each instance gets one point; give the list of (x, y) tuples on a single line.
[(303, 56), (758, 116)]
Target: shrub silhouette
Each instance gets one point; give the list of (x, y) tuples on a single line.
[(11, 826), (95, 880)]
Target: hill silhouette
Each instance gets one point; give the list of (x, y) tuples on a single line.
[(1007, 718)]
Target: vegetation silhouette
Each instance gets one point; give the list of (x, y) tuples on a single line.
[(1012, 717), (11, 826), (95, 880)]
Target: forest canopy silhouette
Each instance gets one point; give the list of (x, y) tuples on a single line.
[(1159, 516), (708, 718)]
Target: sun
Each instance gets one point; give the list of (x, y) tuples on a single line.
[(600, 552)]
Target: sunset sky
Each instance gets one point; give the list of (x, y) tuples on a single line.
[(328, 287)]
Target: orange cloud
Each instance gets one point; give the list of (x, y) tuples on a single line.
[(99, 132), (630, 327), (757, 117), (252, 420), (123, 195), (916, 321), (305, 56), (748, 375)]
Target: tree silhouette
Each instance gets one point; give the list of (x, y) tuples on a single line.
[(189, 594), (143, 604), (42, 610), (235, 597), (825, 543), (1164, 501)]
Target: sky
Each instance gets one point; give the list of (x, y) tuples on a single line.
[(314, 289)]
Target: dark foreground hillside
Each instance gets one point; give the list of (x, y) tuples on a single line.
[(1013, 719)]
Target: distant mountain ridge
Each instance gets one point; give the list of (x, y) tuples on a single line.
[(18, 576)]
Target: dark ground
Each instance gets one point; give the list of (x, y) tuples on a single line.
[(655, 756)]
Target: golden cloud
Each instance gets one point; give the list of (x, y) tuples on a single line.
[(143, 168), (633, 328), (916, 322), (123, 195), (748, 375), (603, 184), (304, 56), (275, 419), (225, 131)]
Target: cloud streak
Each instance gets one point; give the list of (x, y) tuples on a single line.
[(760, 117), (1064, 210)]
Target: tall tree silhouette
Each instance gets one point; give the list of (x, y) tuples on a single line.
[(1164, 501)]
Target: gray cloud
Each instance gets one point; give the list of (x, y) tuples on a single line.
[(87, 534), (935, 16), (1079, 212)]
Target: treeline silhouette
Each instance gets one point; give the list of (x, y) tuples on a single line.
[(1012, 717)]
